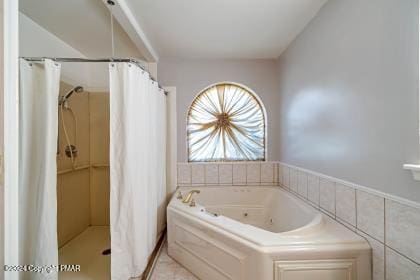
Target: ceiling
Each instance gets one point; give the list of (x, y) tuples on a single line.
[(208, 29), (222, 29), (83, 24)]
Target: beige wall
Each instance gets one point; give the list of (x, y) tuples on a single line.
[(99, 157), (83, 194)]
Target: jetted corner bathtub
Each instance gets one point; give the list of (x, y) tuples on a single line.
[(262, 233)]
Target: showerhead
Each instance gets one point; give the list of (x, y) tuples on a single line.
[(77, 89)]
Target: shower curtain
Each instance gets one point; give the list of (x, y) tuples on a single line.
[(38, 128), (137, 168)]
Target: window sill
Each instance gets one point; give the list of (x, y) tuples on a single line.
[(415, 170)]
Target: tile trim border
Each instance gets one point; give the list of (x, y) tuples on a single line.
[(357, 186)]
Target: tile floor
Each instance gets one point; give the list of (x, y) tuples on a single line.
[(86, 250), (168, 269)]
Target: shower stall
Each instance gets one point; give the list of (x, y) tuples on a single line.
[(83, 181), (92, 165)]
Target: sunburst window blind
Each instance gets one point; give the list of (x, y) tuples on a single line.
[(226, 122)]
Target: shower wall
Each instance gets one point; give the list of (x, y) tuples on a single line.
[(73, 192), (83, 194), (99, 158)]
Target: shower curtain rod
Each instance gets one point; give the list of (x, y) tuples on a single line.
[(72, 59)]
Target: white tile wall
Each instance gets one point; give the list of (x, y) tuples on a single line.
[(253, 173), (303, 184), (403, 229), (345, 197), (225, 174), (313, 189), (293, 180), (197, 174), (371, 214), (184, 174), (267, 172), (400, 268), (212, 174), (239, 174), (286, 177), (391, 226), (327, 195), (276, 172)]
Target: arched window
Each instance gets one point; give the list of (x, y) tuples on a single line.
[(226, 122)]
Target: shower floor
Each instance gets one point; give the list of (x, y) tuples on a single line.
[(86, 250)]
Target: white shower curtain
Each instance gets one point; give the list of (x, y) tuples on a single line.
[(137, 168), (38, 128)]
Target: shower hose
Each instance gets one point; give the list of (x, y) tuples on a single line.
[(63, 106)]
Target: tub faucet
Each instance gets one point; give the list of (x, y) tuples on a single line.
[(189, 196)]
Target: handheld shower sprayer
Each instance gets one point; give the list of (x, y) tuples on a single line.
[(70, 149), (65, 97)]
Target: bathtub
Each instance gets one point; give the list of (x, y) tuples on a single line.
[(261, 233)]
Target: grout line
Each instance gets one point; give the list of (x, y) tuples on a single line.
[(371, 236), (218, 174), (246, 174), (402, 255), (384, 264), (385, 258), (319, 192), (231, 173), (355, 207), (190, 167), (335, 199), (274, 173), (385, 241)]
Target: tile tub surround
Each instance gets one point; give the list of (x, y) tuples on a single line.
[(327, 196), (402, 227), (211, 174), (225, 174), (399, 267), (313, 189), (228, 173), (303, 184), (253, 173), (371, 214), (239, 174), (197, 174), (345, 203), (390, 224)]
